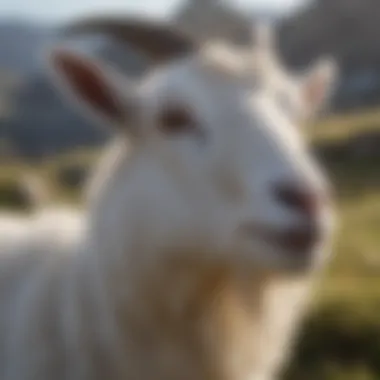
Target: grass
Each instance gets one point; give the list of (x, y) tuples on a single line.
[(341, 338), (338, 127)]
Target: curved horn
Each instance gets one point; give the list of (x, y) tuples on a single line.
[(157, 40), (264, 49), (264, 36)]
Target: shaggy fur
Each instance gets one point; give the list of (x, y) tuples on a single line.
[(154, 279)]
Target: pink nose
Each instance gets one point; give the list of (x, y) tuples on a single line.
[(303, 201)]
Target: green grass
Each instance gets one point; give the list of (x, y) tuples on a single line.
[(343, 126), (341, 338)]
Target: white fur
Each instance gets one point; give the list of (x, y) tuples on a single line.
[(156, 279)]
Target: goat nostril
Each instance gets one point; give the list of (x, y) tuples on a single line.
[(298, 199)]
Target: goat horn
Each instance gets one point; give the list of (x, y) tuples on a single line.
[(264, 35), (159, 41)]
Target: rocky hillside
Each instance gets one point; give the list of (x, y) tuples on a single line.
[(346, 29), (40, 124)]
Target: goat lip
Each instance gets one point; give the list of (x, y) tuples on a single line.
[(296, 240)]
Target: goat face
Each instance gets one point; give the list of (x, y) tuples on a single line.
[(219, 163)]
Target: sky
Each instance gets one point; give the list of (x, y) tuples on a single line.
[(57, 10)]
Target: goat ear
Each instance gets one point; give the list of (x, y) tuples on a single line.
[(88, 83), (317, 85)]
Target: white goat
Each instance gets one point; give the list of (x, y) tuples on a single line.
[(207, 221)]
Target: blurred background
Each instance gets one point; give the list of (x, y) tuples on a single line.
[(39, 134)]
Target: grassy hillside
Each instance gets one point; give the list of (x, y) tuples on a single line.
[(341, 339)]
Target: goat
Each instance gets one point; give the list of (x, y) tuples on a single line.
[(207, 220)]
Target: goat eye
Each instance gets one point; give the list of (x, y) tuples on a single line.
[(176, 120)]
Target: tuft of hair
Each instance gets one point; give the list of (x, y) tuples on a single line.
[(225, 59)]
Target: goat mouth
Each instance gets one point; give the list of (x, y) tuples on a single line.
[(295, 240)]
